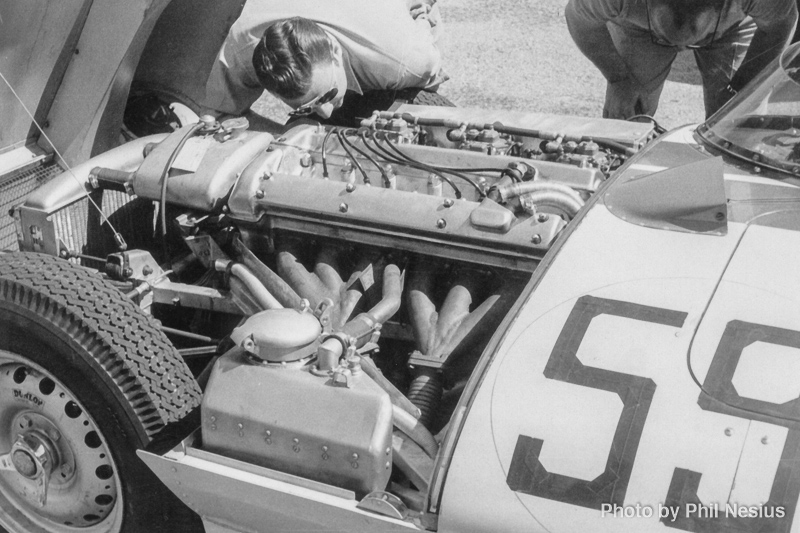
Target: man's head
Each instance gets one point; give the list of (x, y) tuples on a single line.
[(301, 64), (684, 22)]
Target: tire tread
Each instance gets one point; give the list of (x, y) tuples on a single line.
[(123, 340)]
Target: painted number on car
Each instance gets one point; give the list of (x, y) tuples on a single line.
[(528, 475)]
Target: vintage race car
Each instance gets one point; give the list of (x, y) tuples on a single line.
[(446, 319)]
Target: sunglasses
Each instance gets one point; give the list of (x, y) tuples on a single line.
[(655, 39), (308, 108)]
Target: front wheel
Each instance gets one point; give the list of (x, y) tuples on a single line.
[(86, 379)]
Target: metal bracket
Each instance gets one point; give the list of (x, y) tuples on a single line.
[(384, 503)]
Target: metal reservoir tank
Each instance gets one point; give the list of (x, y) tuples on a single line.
[(267, 403)]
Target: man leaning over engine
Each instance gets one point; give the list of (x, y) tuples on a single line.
[(318, 56), (633, 43)]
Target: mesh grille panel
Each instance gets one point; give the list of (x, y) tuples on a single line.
[(80, 227), (77, 224), (13, 192)]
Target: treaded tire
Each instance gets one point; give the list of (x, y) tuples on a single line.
[(114, 360)]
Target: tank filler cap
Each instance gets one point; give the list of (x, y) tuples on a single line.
[(279, 335)]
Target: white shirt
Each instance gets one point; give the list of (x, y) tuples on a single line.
[(382, 47)]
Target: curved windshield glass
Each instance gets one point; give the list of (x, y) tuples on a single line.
[(762, 123)]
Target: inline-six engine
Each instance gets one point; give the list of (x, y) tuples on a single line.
[(335, 288)]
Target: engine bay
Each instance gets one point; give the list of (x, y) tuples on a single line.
[(334, 288)]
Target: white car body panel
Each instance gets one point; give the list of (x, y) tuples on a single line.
[(608, 258)]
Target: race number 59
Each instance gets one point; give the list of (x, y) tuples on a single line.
[(528, 475)]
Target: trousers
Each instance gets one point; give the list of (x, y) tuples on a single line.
[(649, 65)]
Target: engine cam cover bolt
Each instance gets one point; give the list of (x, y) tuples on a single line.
[(350, 187), (448, 202), (536, 239), (259, 194), (542, 217), (441, 223), (343, 207)]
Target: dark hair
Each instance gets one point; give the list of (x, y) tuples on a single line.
[(286, 54)]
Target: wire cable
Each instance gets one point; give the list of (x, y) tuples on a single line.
[(117, 235), (420, 166), (353, 158), (659, 129), (469, 180), (371, 159), (324, 154), (165, 176)]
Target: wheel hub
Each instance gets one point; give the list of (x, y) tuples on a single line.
[(33, 455), (55, 467), (24, 463)]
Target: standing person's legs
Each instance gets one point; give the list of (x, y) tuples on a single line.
[(718, 63), (648, 65)]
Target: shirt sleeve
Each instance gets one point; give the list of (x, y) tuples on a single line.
[(388, 49), (232, 86), (596, 11)]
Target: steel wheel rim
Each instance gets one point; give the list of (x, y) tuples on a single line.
[(85, 492)]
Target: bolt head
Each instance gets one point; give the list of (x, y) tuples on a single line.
[(448, 202), (350, 187), (536, 239), (259, 194), (441, 223), (728, 432), (542, 217), (343, 208)]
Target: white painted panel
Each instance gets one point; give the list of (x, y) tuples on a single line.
[(768, 372), (611, 259), (759, 463)]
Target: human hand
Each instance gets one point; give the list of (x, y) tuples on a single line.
[(420, 9)]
